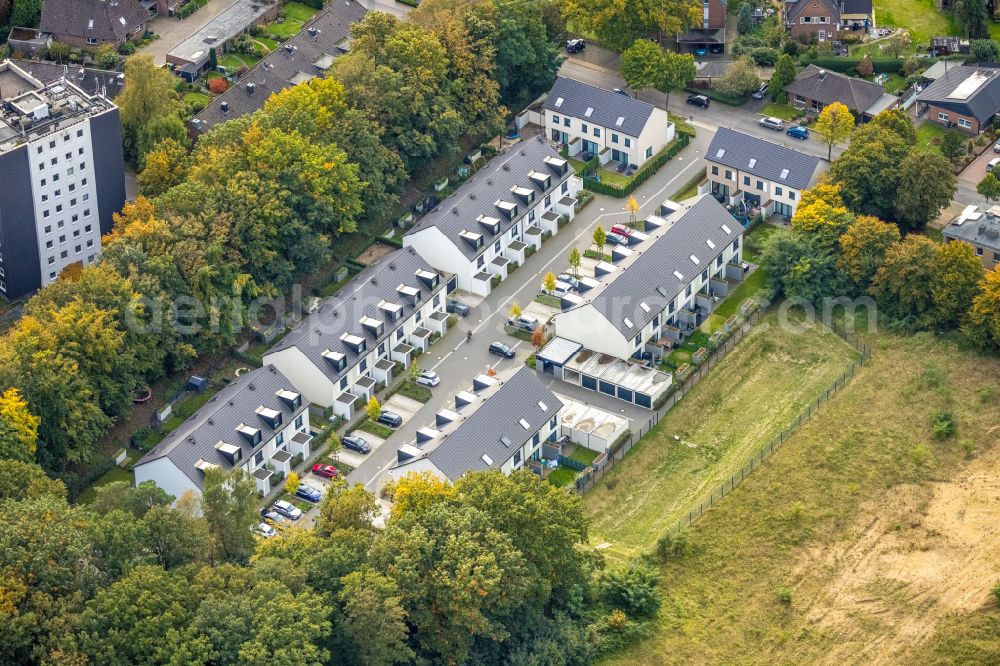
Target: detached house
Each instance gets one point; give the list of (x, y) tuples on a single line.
[(815, 88), (492, 218), (825, 20), (964, 96), (339, 354), (259, 424), (740, 167), (85, 23), (979, 229), (616, 128), (500, 423)]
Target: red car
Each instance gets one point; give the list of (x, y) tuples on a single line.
[(326, 471), (622, 230)]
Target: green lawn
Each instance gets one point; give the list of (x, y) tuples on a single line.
[(374, 428), (550, 301), (604, 175), (265, 43), (690, 188), (234, 61), (194, 98), (583, 455), (294, 14), (748, 399), (301, 503), (841, 520), (929, 136), (783, 111), (562, 476), (752, 285), (921, 17), (415, 391)]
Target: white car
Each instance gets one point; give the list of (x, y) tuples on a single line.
[(993, 164), (562, 288), (265, 530), (428, 378)]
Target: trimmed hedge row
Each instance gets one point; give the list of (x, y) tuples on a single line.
[(842, 65), (642, 175)]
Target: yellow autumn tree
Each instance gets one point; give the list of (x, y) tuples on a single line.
[(863, 247), (417, 492), (822, 215), (18, 427), (982, 325)]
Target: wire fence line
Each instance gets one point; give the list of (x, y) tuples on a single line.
[(585, 482)]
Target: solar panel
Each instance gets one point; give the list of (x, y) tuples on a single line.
[(678, 276), (970, 85)]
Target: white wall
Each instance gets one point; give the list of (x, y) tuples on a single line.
[(165, 474), (417, 466), (304, 376), (657, 133), (591, 329)]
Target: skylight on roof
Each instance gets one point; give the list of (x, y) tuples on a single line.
[(677, 275), (753, 163), (588, 112), (784, 174), (708, 242), (662, 291), (726, 229), (90, 24), (505, 440), (720, 152), (524, 424), (559, 102), (694, 259), (121, 19), (645, 308), (628, 322), (543, 406), (487, 459), (621, 119)]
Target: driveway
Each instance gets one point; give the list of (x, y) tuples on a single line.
[(174, 31), (355, 459), (976, 171)]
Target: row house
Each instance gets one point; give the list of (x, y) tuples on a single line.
[(339, 355), (259, 423), (492, 219)]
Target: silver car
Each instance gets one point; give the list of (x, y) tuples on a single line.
[(771, 122)]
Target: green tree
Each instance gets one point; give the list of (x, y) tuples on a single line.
[(926, 186), (59, 51), (18, 427), (971, 16), (373, 408), (632, 588), (166, 166), (676, 72), (799, 268), (740, 79), (953, 146), (902, 284), (989, 187), (600, 238), (984, 50), (982, 325), (213, 59), (575, 260), (641, 64), (954, 283), (620, 24), (26, 13), (862, 249), (414, 371), (374, 623), (118, 544), (835, 124), (20, 480), (106, 56), (744, 21), (346, 508), (149, 108), (899, 122), (174, 538), (784, 73), (229, 504), (866, 67), (868, 171), (136, 500)]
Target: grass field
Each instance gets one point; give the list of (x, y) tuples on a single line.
[(690, 188), (295, 14), (921, 17), (746, 401), (929, 136), (863, 540), (783, 111)]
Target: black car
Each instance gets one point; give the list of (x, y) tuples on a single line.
[(454, 307), (716, 48), (575, 45), (391, 419), (500, 349), (699, 100), (619, 91), (355, 443)]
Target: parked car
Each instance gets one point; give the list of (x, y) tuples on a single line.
[(570, 280), (996, 146), (562, 288), (326, 471), (620, 92), (716, 48), (287, 509), (308, 493), (575, 45), (272, 516), (622, 230), (524, 323), (798, 132), (265, 530), (455, 307), (391, 419), (500, 349), (771, 122), (700, 51), (995, 161), (355, 443), (760, 92), (428, 378), (699, 100), (616, 239)]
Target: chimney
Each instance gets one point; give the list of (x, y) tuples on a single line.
[(224, 105), (250, 88), (822, 75)]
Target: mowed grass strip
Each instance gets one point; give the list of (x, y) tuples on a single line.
[(754, 588), (746, 401)]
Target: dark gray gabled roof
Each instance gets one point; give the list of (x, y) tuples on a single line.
[(497, 417), (770, 160), (641, 280), (92, 81), (572, 98), (105, 20), (827, 87), (477, 196), (957, 90), (307, 54), (217, 420), (794, 7), (342, 313), (976, 226), (856, 7)]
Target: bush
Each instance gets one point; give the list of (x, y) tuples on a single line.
[(126, 49), (785, 596), (218, 86), (943, 426), (764, 56), (673, 545), (633, 588)]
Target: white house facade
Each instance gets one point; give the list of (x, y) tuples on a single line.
[(492, 219), (339, 355), (259, 424), (615, 127)]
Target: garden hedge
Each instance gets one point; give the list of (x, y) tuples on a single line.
[(843, 65), (642, 175)]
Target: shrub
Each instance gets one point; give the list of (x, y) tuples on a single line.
[(673, 545), (785, 596), (617, 620), (218, 86), (126, 49), (943, 426), (633, 588), (764, 56)]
